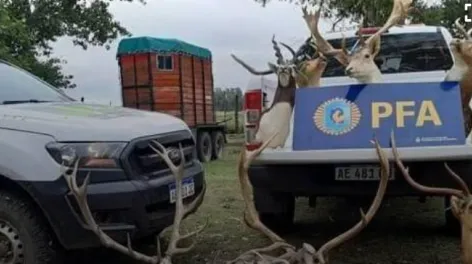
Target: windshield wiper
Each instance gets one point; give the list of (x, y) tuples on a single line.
[(25, 101)]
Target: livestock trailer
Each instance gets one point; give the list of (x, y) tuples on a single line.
[(173, 77)]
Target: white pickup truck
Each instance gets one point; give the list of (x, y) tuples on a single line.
[(412, 53)]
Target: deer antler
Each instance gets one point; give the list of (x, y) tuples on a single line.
[(323, 45), (307, 254), (278, 53), (460, 200), (433, 190), (181, 210), (400, 11), (249, 68), (461, 28)]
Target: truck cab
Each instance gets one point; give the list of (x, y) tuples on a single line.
[(408, 54), (130, 192)]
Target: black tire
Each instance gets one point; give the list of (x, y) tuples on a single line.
[(452, 226), (204, 146), (218, 142), (280, 220), (27, 228)]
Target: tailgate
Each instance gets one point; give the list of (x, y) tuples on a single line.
[(435, 153)]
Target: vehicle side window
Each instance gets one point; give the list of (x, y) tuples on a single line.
[(403, 53)]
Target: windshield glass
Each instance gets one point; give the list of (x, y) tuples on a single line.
[(402, 53), (19, 86)]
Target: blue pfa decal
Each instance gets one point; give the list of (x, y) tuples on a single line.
[(337, 117)]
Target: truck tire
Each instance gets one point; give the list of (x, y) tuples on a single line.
[(453, 226), (218, 142), (204, 146), (25, 234), (276, 210)]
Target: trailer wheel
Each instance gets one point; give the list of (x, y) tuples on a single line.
[(204, 146), (218, 141)]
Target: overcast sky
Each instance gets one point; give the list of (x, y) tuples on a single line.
[(223, 26)]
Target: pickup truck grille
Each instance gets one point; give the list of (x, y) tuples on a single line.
[(144, 162)]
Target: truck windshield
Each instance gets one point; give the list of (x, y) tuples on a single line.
[(402, 53), (19, 86)]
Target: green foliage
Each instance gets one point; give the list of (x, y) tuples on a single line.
[(376, 12), (28, 27), (228, 99)]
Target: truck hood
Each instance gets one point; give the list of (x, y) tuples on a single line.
[(74, 121)]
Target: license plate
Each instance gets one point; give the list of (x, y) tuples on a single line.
[(188, 189), (360, 173)]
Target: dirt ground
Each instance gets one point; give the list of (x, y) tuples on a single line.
[(404, 231)]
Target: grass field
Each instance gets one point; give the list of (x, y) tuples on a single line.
[(404, 231), (230, 120)]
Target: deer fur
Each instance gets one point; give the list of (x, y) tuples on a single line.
[(360, 65), (461, 71)]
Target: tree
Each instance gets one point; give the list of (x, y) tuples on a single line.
[(42, 22), (225, 99), (373, 12)]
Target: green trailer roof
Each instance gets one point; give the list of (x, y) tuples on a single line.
[(160, 45)]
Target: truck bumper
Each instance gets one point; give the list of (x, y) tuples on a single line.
[(137, 207), (319, 179)]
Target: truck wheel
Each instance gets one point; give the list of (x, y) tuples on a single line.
[(204, 147), (24, 234), (276, 210), (452, 224), (218, 141)]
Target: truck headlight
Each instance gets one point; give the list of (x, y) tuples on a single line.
[(91, 155)]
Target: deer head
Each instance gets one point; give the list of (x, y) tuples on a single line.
[(181, 210), (360, 64), (461, 200), (307, 254), (286, 70), (461, 71), (311, 64), (462, 52)]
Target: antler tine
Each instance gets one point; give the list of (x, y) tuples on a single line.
[(249, 68), (399, 12), (278, 53), (469, 34), (289, 49), (80, 195), (312, 21), (365, 218), (359, 33), (180, 209), (412, 182), (458, 179), (461, 28)]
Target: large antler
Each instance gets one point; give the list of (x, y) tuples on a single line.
[(460, 200), (461, 29), (307, 254), (181, 210), (399, 12), (432, 190), (323, 46), (251, 69)]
